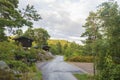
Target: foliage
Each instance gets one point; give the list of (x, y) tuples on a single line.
[(33, 53), (83, 77), (39, 35), (59, 48), (12, 17), (53, 42), (37, 76), (19, 60), (102, 31), (7, 51), (18, 66), (6, 75), (71, 51), (92, 32), (62, 47), (80, 58), (19, 32)]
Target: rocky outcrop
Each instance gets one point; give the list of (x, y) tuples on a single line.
[(4, 66), (45, 56)]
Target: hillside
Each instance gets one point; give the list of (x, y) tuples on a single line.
[(53, 42)]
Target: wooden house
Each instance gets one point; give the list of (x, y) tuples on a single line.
[(24, 41)]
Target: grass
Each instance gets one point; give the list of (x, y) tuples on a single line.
[(83, 77), (37, 76), (35, 73)]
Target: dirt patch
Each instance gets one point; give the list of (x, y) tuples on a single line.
[(88, 67)]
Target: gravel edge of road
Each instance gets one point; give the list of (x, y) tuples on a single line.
[(78, 67), (84, 70)]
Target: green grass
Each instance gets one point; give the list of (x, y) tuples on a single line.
[(37, 76), (83, 77)]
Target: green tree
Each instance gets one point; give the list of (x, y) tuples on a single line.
[(12, 17), (53, 49), (59, 48), (39, 35), (62, 47), (29, 33), (19, 32), (65, 46), (109, 15), (106, 44), (92, 32)]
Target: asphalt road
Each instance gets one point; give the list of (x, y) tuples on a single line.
[(57, 69)]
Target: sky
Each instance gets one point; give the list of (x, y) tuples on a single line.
[(63, 19)]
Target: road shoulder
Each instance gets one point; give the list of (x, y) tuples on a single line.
[(87, 67)]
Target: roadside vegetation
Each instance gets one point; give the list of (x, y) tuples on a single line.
[(72, 51), (37, 75), (84, 77), (21, 62), (16, 62), (103, 40)]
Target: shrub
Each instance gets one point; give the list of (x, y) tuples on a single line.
[(6, 75), (17, 59), (33, 68), (84, 77), (80, 58), (18, 66), (7, 51), (20, 54)]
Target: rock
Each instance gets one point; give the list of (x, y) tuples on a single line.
[(3, 65), (41, 57), (46, 56)]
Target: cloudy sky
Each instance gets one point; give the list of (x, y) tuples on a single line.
[(63, 19)]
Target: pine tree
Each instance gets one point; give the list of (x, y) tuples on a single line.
[(12, 17)]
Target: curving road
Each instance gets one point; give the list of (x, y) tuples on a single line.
[(57, 69)]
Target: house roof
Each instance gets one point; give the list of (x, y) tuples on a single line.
[(22, 37)]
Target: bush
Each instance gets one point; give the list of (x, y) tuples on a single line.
[(32, 54), (80, 58), (110, 68), (18, 60), (84, 77), (6, 75), (18, 66), (20, 54), (33, 68), (7, 50)]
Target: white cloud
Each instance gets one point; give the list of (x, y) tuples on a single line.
[(63, 18)]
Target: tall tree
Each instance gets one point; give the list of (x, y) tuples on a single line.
[(107, 46), (110, 15), (92, 32), (11, 16)]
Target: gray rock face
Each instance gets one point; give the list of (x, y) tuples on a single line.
[(46, 56), (57, 69), (3, 65)]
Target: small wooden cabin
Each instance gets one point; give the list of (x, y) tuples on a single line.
[(24, 41), (45, 47)]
